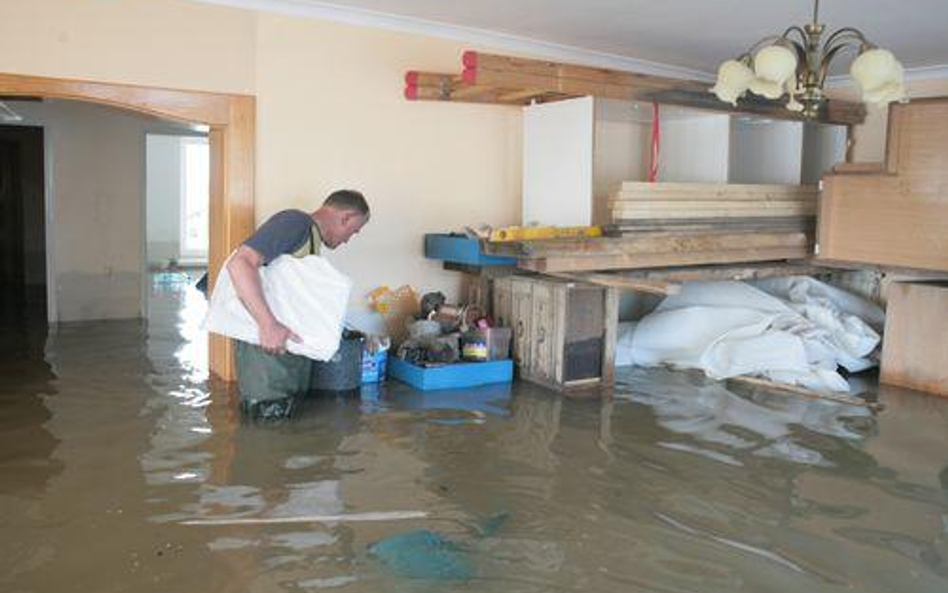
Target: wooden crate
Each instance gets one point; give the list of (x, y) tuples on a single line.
[(563, 332), (915, 343)]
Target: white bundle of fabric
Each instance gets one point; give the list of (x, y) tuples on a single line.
[(793, 330), (306, 294)]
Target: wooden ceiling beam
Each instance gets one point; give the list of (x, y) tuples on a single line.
[(523, 81)]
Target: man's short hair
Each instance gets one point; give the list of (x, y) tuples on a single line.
[(348, 199)]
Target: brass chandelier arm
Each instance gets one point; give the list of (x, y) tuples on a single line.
[(766, 40), (799, 31), (828, 56), (845, 32)]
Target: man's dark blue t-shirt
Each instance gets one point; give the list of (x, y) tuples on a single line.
[(286, 231)]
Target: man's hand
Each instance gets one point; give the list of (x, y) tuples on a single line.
[(244, 268), (273, 337)]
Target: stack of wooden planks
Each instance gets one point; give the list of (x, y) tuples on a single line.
[(638, 207), (654, 250), (660, 225)]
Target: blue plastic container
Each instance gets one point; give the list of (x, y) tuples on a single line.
[(462, 250), (451, 376), (373, 366)]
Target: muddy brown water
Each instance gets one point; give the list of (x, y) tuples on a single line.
[(112, 439)]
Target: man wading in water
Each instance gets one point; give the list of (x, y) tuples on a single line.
[(268, 376)]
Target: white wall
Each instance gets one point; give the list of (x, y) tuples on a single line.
[(823, 147), (765, 151), (694, 148), (331, 114), (95, 201), (621, 153), (163, 198)]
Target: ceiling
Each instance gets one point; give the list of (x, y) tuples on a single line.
[(691, 35)]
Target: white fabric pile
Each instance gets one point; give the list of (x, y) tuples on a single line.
[(306, 294), (793, 330)]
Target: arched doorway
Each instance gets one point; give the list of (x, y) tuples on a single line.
[(231, 119)]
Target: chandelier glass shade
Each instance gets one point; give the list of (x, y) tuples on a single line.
[(795, 65)]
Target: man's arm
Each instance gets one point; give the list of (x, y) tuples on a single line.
[(244, 272)]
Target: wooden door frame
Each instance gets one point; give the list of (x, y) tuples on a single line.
[(231, 119)]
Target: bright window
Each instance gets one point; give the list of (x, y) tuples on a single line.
[(195, 161)]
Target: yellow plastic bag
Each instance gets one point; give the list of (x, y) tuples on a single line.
[(397, 307)]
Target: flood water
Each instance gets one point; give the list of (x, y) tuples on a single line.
[(112, 440)]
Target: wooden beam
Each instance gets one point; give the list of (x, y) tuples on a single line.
[(186, 106), (477, 64), (762, 224), (833, 264), (807, 393), (834, 111), (622, 261), (434, 86), (703, 273), (497, 70), (641, 209), (610, 337), (671, 190), (521, 95), (659, 287), (652, 244), (859, 168)]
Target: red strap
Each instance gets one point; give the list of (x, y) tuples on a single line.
[(656, 144)]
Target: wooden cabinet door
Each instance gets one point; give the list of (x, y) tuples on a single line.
[(896, 216), (544, 331), (503, 302), (521, 321)]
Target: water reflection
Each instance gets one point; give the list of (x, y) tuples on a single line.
[(112, 433), (26, 446), (721, 421)]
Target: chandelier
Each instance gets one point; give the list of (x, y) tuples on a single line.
[(795, 64)]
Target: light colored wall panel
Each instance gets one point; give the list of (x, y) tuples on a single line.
[(824, 146), (558, 162), (331, 114), (695, 149), (163, 198), (765, 151)]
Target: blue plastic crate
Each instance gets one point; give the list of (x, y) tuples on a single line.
[(462, 250), (451, 376)]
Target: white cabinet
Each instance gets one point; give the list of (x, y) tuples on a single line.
[(577, 151)]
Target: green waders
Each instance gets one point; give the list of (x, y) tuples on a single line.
[(264, 377), (268, 383)]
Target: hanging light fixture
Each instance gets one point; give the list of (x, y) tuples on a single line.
[(782, 65)]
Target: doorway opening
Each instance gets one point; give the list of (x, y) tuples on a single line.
[(23, 293), (231, 120), (177, 197)]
